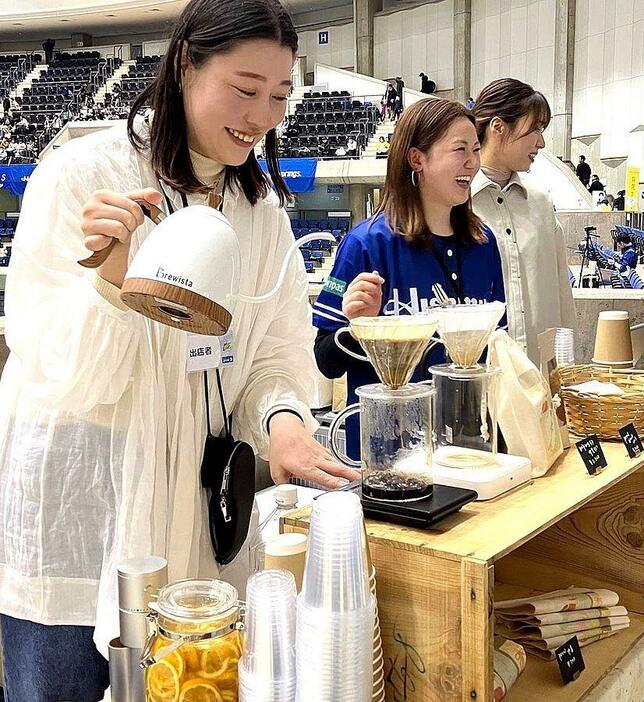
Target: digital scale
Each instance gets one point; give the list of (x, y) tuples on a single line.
[(490, 476)]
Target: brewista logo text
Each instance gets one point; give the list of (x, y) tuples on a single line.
[(162, 274)]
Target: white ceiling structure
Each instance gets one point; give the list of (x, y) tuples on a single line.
[(34, 19)]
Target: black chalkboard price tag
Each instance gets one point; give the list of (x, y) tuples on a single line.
[(631, 440), (591, 453), (570, 661)]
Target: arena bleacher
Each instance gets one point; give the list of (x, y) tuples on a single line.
[(325, 124), (138, 78), (13, 69), (68, 80), (318, 254)]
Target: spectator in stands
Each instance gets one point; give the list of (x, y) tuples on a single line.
[(511, 117), (352, 146), (400, 86), (6, 106), (398, 107), (383, 147), (619, 203), (603, 204), (583, 171), (424, 232), (102, 429), (48, 47), (390, 98), (424, 84), (628, 254), (596, 185), (469, 103)]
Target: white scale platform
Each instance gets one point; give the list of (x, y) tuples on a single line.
[(489, 477)]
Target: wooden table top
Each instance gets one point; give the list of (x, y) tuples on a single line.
[(489, 530)]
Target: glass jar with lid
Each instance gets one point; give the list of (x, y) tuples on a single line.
[(194, 646)]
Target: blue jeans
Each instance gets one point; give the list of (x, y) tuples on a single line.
[(51, 663)]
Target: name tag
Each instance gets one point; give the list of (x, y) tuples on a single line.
[(209, 352)]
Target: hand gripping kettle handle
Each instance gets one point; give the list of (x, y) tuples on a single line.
[(97, 259), (317, 236), (333, 436)]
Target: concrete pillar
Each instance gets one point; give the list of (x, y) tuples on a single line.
[(462, 49), (363, 14), (358, 201), (561, 127)]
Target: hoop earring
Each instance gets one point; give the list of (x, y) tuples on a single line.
[(414, 179)]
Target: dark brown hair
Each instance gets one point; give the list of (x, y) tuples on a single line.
[(421, 125), (204, 29), (510, 100)]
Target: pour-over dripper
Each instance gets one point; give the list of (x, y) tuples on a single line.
[(466, 329), (394, 345)]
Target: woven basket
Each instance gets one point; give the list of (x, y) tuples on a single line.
[(604, 416)]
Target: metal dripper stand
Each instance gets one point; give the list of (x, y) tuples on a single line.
[(139, 581)]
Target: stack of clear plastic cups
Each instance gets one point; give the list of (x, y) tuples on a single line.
[(267, 665), (565, 346), (336, 608)]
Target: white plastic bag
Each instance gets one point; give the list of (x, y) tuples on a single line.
[(526, 413)]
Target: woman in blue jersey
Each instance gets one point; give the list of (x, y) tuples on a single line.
[(424, 232)]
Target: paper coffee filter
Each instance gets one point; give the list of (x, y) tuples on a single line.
[(394, 328), (394, 345), (466, 329)]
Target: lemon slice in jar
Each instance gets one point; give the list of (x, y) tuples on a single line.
[(199, 691), (191, 657), (216, 660), (162, 682)]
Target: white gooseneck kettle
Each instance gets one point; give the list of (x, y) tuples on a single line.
[(190, 287)]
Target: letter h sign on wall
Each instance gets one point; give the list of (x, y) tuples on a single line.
[(323, 38)]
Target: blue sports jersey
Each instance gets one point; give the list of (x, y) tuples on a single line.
[(628, 259), (470, 273)]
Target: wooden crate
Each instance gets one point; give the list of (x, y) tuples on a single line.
[(436, 587)]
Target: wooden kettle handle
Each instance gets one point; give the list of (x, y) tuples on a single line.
[(152, 212)]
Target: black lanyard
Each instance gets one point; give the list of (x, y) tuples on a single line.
[(222, 402)]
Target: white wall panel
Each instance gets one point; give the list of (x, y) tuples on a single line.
[(515, 39), (415, 40), (338, 52), (609, 79)]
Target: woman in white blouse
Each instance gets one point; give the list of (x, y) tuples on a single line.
[(102, 428), (511, 117)]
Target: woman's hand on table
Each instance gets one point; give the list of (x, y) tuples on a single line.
[(363, 297), (293, 452)]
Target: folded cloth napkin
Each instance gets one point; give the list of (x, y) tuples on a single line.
[(596, 387)]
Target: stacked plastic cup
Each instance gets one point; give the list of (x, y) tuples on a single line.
[(267, 665), (565, 346), (336, 608)]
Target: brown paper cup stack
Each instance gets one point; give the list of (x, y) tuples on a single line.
[(613, 343), (378, 657)]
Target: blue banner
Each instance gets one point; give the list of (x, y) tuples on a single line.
[(15, 177), (298, 173)]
